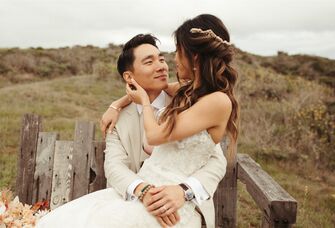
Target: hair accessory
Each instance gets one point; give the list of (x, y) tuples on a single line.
[(210, 33)]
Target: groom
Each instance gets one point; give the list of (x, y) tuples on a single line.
[(126, 148)]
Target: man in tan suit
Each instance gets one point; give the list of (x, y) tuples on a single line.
[(126, 148)]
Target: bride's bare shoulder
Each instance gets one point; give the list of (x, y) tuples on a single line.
[(219, 99)]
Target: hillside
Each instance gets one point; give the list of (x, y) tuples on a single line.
[(307, 66), (287, 120), (26, 65)]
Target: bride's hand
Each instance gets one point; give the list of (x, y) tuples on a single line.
[(139, 95), (108, 121)]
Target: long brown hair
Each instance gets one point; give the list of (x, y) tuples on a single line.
[(216, 72)]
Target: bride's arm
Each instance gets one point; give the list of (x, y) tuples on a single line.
[(210, 111), (172, 88), (111, 115)]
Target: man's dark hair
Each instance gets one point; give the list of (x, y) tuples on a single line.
[(126, 58)]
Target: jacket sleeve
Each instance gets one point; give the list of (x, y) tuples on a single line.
[(213, 172), (117, 164)]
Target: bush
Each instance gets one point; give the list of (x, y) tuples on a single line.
[(102, 70), (319, 123), (3, 68)]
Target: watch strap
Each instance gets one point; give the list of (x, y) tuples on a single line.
[(184, 187), (188, 193)]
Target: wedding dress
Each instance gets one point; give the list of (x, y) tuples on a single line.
[(170, 163)]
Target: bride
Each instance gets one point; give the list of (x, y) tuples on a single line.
[(203, 111)]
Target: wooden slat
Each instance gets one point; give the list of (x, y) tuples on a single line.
[(278, 206), (62, 174), (266, 223), (225, 198), (97, 173), (44, 166), (82, 153), (31, 125)]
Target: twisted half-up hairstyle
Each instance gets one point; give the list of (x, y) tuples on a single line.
[(206, 37)]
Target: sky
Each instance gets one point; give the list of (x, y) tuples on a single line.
[(258, 26)]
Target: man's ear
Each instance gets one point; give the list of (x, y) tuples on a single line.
[(127, 76)]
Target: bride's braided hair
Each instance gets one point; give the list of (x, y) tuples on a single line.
[(207, 37)]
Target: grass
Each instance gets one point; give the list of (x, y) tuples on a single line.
[(315, 196), (269, 134)]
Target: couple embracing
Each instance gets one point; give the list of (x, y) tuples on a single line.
[(163, 160)]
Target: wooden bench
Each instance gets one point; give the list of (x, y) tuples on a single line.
[(60, 171)]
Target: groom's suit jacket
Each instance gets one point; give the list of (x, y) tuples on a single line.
[(124, 156)]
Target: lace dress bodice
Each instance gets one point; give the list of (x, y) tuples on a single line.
[(173, 162)]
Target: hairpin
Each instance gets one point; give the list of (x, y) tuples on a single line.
[(210, 33)]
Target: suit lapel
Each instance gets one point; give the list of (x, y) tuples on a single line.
[(143, 155), (134, 134)]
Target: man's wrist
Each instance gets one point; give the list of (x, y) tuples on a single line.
[(144, 191), (138, 189), (188, 192)]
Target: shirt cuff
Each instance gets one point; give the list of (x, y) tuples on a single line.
[(200, 193), (131, 188)]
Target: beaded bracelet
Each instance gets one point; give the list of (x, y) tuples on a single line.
[(144, 191)]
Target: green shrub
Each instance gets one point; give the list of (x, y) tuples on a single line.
[(321, 124)]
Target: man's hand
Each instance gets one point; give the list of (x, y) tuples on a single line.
[(164, 221), (165, 200), (170, 220)]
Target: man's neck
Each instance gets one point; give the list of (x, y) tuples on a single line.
[(153, 95)]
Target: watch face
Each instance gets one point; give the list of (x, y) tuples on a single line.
[(189, 195)]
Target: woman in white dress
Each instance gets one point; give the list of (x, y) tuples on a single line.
[(203, 111)]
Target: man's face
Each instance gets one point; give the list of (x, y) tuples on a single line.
[(149, 68)]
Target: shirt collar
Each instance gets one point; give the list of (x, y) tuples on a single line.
[(158, 103)]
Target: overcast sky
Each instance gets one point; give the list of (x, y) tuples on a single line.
[(257, 26)]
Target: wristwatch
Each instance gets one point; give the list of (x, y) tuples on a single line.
[(188, 193)]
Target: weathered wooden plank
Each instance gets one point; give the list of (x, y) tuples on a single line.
[(31, 125), (97, 173), (272, 220), (83, 149), (265, 221), (62, 174), (225, 198), (44, 166), (279, 207)]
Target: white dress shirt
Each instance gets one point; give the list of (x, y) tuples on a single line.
[(199, 192)]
